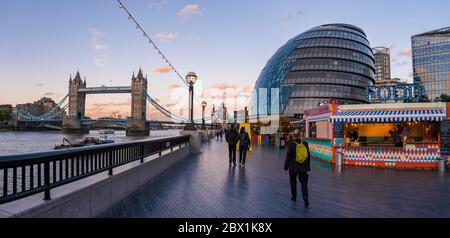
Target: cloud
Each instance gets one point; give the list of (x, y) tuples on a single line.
[(96, 33), (171, 104), (223, 86), (156, 3), (187, 11), (400, 64), (163, 69), (174, 86), (248, 89), (405, 53), (99, 47), (39, 85), (167, 36), (293, 15), (112, 104)]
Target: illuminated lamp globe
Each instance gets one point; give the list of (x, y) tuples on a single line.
[(191, 78)]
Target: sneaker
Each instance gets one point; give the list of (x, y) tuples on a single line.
[(306, 203)]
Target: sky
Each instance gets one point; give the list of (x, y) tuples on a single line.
[(227, 43)]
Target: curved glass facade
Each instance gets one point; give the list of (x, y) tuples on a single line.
[(329, 61)]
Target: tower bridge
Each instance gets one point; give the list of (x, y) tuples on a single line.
[(74, 120), (135, 125)]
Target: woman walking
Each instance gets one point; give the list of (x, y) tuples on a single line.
[(244, 143)]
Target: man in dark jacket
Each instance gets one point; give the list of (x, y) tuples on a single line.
[(297, 169), (232, 138)]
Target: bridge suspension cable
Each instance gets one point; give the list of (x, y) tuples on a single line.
[(57, 110), (164, 111), (48, 115), (153, 44)]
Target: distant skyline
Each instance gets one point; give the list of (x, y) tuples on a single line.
[(226, 43)]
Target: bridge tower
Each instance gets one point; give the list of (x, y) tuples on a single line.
[(137, 124), (77, 105)]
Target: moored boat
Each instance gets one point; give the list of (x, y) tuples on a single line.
[(106, 131), (87, 141)]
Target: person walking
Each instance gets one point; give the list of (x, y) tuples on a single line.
[(298, 164), (232, 138), (221, 134), (244, 144)]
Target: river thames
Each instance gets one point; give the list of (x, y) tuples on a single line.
[(17, 142)]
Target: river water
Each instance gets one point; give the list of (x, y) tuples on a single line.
[(14, 142)]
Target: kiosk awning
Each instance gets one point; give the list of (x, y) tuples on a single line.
[(388, 116)]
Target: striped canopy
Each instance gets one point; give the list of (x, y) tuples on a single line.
[(388, 116)]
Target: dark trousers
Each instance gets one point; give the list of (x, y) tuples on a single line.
[(232, 153), (242, 153), (303, 179)]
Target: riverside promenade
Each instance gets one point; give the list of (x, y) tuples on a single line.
[(205, 186)]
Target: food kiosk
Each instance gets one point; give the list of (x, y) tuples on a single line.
[(399, 135)]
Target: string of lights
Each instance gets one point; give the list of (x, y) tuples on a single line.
[(153, 45)]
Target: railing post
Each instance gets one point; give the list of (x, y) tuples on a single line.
[(47, 180), (160, 148), (110, 163), (142, 153)]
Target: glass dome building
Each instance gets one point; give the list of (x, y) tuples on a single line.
[(333, 61)]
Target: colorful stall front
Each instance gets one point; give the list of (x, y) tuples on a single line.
[(319, 132), (403, 135)]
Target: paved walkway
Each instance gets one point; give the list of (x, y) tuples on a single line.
[(206, 186)]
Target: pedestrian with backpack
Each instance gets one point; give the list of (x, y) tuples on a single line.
[(298, 164), (244, 143)]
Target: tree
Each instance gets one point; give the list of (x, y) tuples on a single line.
[(4, 115), (444, 98), (424, 99)]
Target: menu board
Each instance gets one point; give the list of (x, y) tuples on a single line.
[(445, 138), (338, 130)]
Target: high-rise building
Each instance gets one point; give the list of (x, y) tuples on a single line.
[(333, 61), (431, 62), (382, 58)]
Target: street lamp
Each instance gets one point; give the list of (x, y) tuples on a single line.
[(191, 78), (203, 115)]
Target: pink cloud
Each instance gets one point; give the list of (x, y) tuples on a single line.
[(248, 89), (405, 53), (223, 86), (174, 86), (162, 69), (187, 11)]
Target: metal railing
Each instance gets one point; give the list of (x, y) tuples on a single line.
[(28, 174)]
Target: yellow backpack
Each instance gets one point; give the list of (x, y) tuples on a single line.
[(301, 153)]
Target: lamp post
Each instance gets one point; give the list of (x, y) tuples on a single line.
[(203, 115), (191, 78)]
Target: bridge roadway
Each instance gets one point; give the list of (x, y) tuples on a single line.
[(105, 90), (206, 186)]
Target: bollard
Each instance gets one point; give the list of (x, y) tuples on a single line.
[(441, 164), (338, 158)]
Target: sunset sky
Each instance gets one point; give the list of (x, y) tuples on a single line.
[(226, 43)]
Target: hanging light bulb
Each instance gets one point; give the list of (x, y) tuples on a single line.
[(137, 27), (129, 17), (120, 5)]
